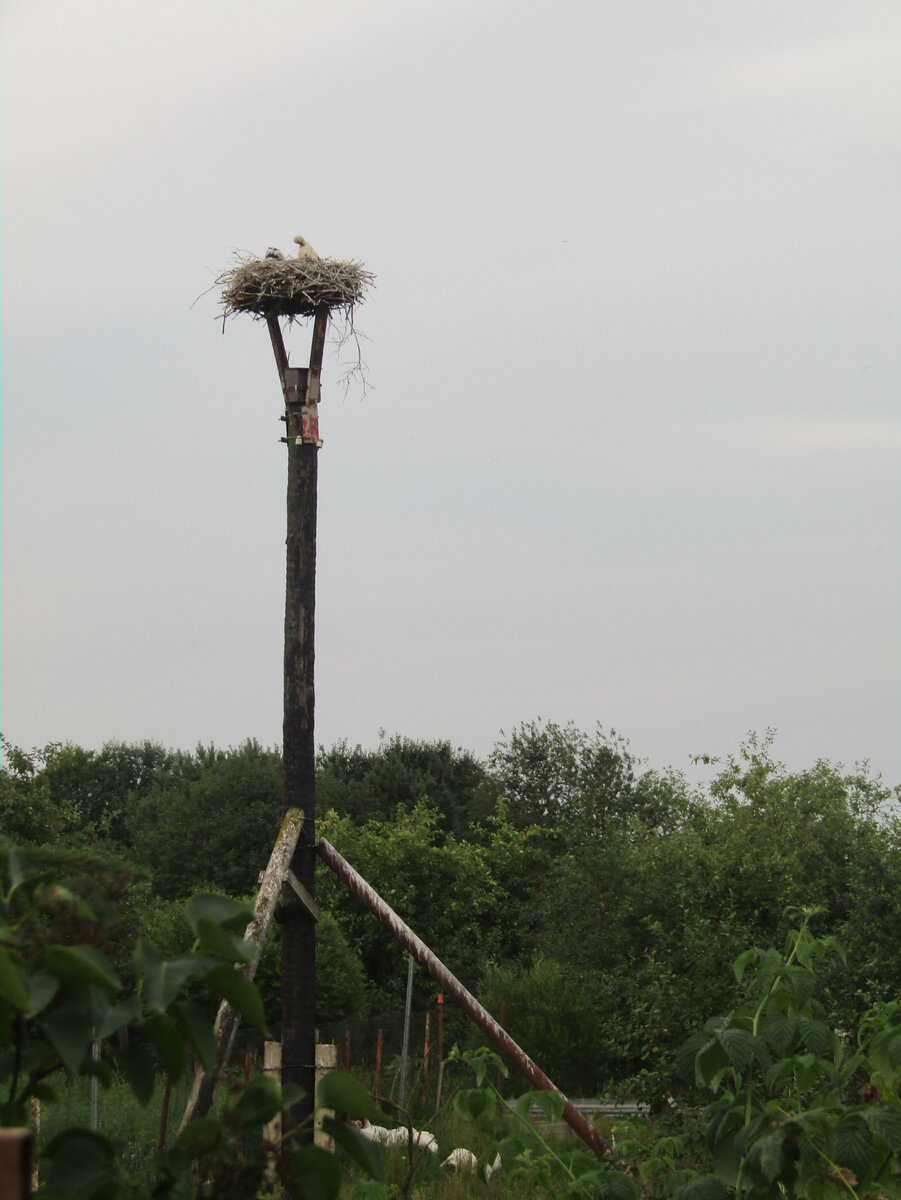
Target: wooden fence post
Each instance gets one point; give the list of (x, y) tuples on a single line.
[(326, 1060), (272, 1131), (16, 1146)]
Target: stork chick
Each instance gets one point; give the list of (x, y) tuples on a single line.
[(304, 249)]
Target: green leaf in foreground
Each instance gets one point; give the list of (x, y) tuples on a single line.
[(316, 1173), (140, 1071), (341, 1092), (885, 1121), (549, 1104), (69, 1034), (705, 1187), (361, 1150), (260, 1100), (213, 939), (202, 1136), (81, 1164), (12, 982), (164, 978), (231, 915), (164, 1035), (240, 992), (472, 1102), (80, 964), (197, 1028)]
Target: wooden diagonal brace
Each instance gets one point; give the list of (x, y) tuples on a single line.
[(227, 1020), (303, 895)]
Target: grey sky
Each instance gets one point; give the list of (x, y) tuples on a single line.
[(631, 448)]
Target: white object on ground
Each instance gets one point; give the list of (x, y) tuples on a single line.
[(422, 1139), (460, 1159), (375, 1133)]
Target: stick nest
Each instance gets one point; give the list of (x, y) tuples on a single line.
[(291, 287)]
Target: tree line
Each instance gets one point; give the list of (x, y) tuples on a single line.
[(602, 901)]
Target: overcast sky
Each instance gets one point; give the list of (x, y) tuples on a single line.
[(630, 448)]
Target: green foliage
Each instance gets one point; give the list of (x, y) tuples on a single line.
[(65, 791), (371, 785), (796, 1109), (527, 1155), (57, 999), (582, 786), (645, 919), (470, 901), (211, 824), (600, 898), (553, 1014), (342, 988)]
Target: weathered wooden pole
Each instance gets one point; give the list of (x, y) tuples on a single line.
[(275, 287), (301, 391)]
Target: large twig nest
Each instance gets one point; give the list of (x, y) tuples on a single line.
[(292, 287)]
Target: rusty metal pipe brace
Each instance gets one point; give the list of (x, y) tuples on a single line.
[(513, 1053)]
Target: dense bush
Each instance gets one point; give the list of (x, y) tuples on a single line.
[(558, 870), (60, 994)]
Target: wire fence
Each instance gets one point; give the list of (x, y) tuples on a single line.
[(372, 1049)]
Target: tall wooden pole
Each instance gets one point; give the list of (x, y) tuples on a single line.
[(301, 390)]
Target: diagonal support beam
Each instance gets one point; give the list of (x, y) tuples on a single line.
[(227, 1019), (303, 895), (514, 1055)]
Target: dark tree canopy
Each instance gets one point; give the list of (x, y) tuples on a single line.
[(370, 785), (602, 901)]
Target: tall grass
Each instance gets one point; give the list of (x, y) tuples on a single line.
[(135, 1131)]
